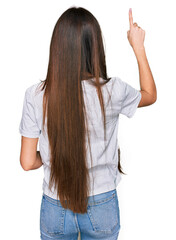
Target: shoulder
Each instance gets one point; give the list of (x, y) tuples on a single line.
[(118, 81), (124, 87), (33, 91), (119, 85), (33, 94)]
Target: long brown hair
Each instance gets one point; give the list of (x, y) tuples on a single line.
[(76, 53)]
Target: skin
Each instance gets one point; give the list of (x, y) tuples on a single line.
[(136, 37), (30, 158)]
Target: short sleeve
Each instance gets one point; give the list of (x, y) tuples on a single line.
[(131, 99), (28, 126)]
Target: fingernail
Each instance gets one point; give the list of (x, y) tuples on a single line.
[(130, 10)]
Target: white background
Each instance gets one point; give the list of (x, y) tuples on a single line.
[(147, 193)]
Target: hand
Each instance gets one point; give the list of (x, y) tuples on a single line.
[(135, 35)]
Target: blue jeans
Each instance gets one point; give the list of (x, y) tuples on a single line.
[(102, 220)]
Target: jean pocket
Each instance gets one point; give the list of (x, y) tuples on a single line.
[(52, 218), (104, 214)]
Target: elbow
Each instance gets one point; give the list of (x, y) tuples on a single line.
[(152, 101), (154, 98), (25, 167), (155, 95)]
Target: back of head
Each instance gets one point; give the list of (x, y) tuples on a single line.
[(77, 40)]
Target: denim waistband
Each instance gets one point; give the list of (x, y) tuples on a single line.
[(92, 200)]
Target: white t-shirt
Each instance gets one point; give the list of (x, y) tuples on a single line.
[(124, 100)]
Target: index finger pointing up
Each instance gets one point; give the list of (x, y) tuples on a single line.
[(130, 18)]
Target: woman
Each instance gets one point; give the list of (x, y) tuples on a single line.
[(75, 113)]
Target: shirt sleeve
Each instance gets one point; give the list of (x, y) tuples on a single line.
[(28, 125), (131, 99)]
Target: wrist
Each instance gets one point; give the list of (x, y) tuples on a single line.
[(140, 53)]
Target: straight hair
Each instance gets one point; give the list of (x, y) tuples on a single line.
[(76, 54)]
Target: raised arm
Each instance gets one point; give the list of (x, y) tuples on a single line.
[(136, 37)]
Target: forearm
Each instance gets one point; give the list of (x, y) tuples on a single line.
[(38, 162), (147, 83)]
